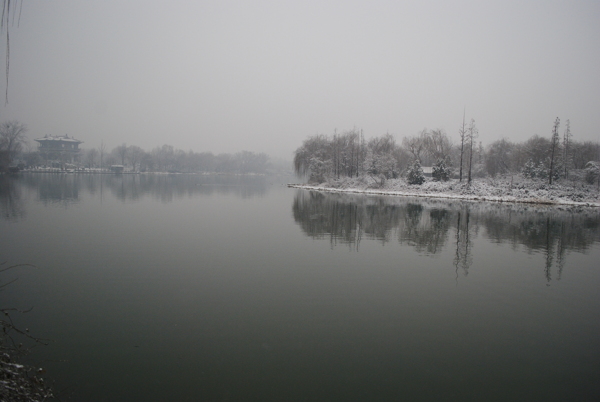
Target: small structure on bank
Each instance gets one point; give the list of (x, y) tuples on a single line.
[(59, 149)]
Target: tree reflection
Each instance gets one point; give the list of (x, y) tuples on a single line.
[(65, 188), (554, 232), (425, 225), (463, 256), (11, 204), (59, 188), (321, 217)]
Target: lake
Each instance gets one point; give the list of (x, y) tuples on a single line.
[(231, 288)]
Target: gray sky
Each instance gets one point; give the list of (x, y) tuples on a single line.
[(226, 76)]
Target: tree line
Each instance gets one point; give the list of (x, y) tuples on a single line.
[(349, 154), (166, 158)]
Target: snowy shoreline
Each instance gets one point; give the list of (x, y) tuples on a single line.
[(487, 190)]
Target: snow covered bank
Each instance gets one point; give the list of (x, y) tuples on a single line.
[(519, 190)]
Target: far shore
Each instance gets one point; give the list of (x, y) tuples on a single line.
[(487, 190)]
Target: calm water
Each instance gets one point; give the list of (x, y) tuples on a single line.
[(196, 288)]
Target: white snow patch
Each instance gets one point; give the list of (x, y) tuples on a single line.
[(519, 190)]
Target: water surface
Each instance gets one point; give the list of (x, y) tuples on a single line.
[(227, 288)]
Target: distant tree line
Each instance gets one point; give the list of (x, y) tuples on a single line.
[(166, 158), (349, 154)]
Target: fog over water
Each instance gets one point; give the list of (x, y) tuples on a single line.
[(261, 76)]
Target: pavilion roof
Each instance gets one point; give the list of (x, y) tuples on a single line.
[(63, 138)]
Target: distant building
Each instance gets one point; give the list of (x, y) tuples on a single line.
[(59, 149)]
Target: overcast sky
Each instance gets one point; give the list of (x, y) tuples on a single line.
[(226, 76)]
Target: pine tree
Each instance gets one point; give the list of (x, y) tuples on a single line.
[(415, 175), (441, 171)]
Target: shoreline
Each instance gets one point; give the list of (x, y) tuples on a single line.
[(425, 193)]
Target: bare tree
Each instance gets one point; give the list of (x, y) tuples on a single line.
[(12, 140), (554, 143), (121, 152), (415, 145), (437, 144), (472, 134), (566, 148), (102, 150), (134, 154), (583, 152), (91, 156), (8, 18), (499, 157), (462, 132)]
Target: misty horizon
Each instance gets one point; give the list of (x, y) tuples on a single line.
[(262, 77)]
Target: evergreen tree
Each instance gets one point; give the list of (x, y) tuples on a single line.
[(441, 171), (415, 175)]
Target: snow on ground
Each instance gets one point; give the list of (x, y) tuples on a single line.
[(517, 189)]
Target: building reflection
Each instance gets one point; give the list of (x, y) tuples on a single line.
[(432, 226)]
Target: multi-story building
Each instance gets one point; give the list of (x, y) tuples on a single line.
[(59, 149)]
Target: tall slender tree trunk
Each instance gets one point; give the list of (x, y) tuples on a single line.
[(470, 158), (462, 147), (553, 148), (566, 143)]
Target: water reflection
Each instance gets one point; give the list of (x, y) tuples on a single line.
[(463, 257), (60, 189), (66, 188), (11, 204), (428, 226)]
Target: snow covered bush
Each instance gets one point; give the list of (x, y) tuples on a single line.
[(592, 172), (541, 170), (414, 174), (441, 171), (529, 170)]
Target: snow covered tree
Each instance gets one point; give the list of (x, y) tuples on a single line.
[(441, 171), (592, 172), (90, 157), (134, 155), (472, 133), (120, 153), (529, 169), (499, 157), (554, 144), (381, 157), (463, 135), (415, 145), (415, 175), (566, 148), (12, 139), (437, 144), (313, 159)]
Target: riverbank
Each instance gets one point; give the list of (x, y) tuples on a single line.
[(515, 190)]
